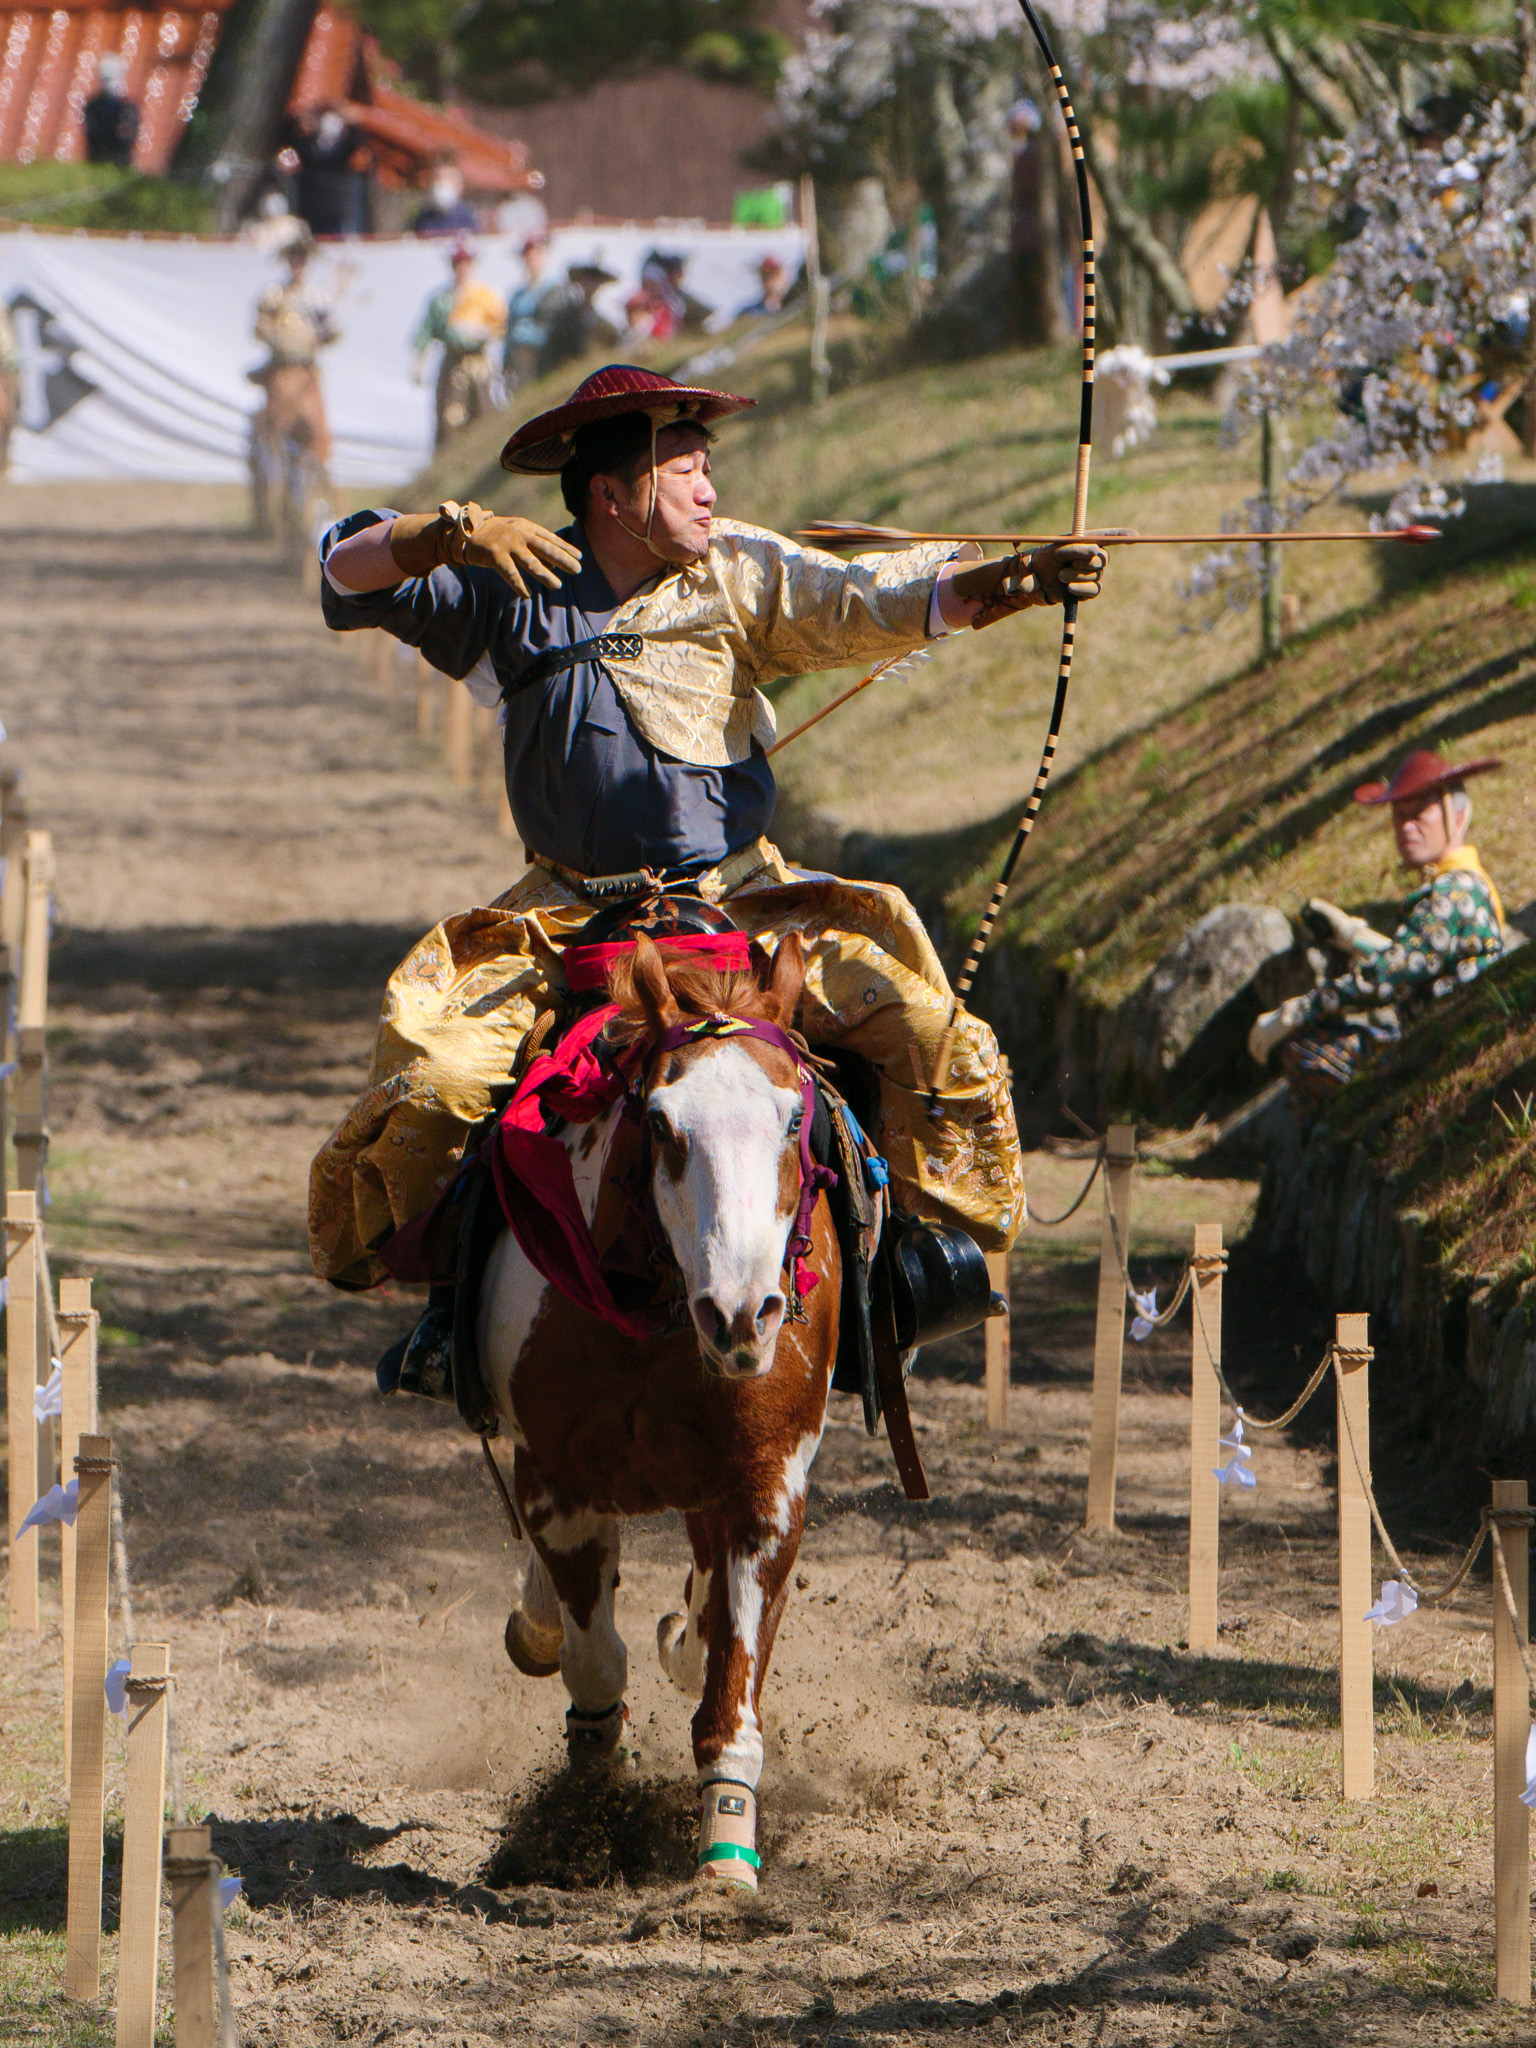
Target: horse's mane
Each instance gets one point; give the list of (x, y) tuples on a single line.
[(697, 992)]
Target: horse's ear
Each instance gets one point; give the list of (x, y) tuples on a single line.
[(787, 984), (653, 992)]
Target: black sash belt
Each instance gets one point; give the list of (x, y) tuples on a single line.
[(606, 646)]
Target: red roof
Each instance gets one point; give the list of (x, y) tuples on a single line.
[(48, 71)]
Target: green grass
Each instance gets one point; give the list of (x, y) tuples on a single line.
[(54, 196)]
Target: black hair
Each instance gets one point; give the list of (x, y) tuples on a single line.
[(617, 447)]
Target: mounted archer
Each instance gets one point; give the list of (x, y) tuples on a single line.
[(628, 650)]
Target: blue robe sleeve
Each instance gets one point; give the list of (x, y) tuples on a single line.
[(451, 615)]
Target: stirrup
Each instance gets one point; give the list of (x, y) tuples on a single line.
[(422, 1363), (939, 1282)]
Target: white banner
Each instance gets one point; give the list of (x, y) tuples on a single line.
[(135, 354)]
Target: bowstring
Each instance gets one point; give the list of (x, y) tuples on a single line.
[(967, 975)]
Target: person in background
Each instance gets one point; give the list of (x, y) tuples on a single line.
[(576, 328), (1452, 929), (660, 309), (447, 211), (109, 117), (293, 324), (528, 314), (272, 228), (464, 319), (775, 282), (332, 163)]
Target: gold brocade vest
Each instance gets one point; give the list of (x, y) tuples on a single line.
[(756, 608)]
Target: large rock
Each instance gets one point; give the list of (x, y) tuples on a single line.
[(1210, 967)]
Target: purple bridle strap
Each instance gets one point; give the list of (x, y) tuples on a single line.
[(813, 1178)]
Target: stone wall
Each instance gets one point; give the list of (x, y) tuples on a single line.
[(1323, 1205)]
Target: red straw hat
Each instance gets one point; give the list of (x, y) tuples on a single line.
[(545, 444), (1424, 774)]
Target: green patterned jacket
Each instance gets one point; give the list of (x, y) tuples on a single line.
[(1450, 933)]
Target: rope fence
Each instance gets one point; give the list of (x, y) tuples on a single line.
[(1504, 1525), (51, 1364)]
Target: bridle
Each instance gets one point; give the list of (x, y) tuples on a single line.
[(813, 1177)]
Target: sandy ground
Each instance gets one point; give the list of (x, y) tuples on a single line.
[(1002, 1802)]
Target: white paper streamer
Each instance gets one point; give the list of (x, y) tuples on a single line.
[(229, 1891), (1146, 1314), (1235, 1472), (49, 1400), (58, 1504), (117, 1685), (1397, 1602), (1528, 1796)]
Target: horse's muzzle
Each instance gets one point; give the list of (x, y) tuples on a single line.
[(738, 1346)]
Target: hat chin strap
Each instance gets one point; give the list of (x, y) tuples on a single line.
[(658, 419)]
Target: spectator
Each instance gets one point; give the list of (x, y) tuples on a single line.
[(333, 174), (464, 318), (110, 118), (775, 283), (1452, 928), (272, 228), (576, 328), (529, 311), (447, 211)]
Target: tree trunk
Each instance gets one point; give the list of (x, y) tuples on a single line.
[(972, 195), (268, 67)]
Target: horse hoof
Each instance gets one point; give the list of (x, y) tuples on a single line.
[(728, 1833), (670, 1630), (534, 1650), (593, 1741)]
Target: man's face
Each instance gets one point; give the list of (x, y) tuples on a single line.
[(1418, 825), (535, 256), (685, 496)]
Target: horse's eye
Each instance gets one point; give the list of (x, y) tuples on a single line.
[(796, 1119), (656, 1123)]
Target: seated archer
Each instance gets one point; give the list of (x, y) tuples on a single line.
[(1452, 929), (628, 651)]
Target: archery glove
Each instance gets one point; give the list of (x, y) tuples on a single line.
[(1050, 575), (469, 536)]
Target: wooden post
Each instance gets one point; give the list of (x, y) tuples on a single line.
[(32, 1071), (88, 1720), (1204, 1440), (13, 851), (1357, 1720), (138, 1949), (1511, 1726), (1109, 1328), (78, 1323), (999, 1333), (459, 732), (189, 1866), (20, 1391), (427, 681)]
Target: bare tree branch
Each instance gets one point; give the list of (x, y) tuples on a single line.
[(1161, 266), (1328, 103)]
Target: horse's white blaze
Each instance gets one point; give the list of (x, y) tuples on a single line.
[(722, 1215)]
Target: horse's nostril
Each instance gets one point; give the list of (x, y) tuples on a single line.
[(771, 1308), (715, 1327)]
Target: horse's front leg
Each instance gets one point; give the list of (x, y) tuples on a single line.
[(750, 1567), (579, 1548)]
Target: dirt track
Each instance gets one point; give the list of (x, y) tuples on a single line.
[(1002, 1801)]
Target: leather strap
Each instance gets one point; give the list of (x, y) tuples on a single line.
[(605, 647), (893, 1388)]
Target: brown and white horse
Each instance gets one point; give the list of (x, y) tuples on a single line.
[(721, 1418)]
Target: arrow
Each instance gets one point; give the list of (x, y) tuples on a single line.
[(844, 532)]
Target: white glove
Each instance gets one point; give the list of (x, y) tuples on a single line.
[(1349, 934), (1275, 1026)]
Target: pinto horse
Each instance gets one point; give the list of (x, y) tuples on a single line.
[(720, 1417)]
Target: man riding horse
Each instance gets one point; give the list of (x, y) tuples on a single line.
[(628, 651)]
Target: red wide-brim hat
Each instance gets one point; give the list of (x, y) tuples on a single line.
[(546, 443), (1424, 774)]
